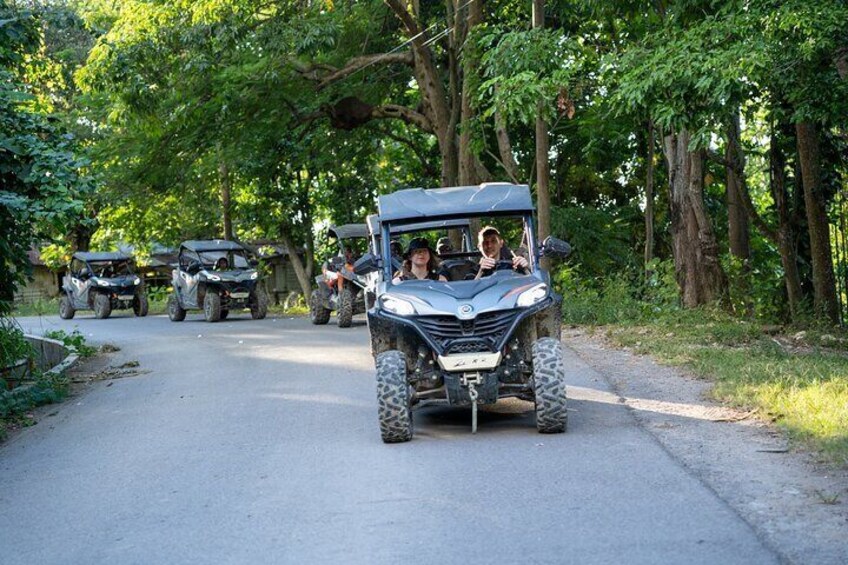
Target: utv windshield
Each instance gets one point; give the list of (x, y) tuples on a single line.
[(458, 250), (229, 260), (110, 269)]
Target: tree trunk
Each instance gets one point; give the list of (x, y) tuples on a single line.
[(543, 171), (649, 197), (302, 277), (468, 170), (824, 284), (785, 231), (697, 268), (738, 232)]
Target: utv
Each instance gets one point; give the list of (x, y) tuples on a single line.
[(466, 342), (101, 282), (339, 288), (216, 276)]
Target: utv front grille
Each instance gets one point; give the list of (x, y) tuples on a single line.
[(483, 333)]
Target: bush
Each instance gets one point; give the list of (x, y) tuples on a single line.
[(74, 340), (13, 345)]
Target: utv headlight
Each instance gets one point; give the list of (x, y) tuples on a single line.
[(398, 306), (102, 283), (137, 281), (532, 296), (254, 276), (214, 278)]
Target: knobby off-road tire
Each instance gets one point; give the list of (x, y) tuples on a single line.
[(345, 313), (140, 305), (175, 312), (393, 398), (212, 306), (317, 313), (102, 306), (259, 304), (549, 386), (66, 308)]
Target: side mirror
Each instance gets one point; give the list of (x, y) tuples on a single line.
[(555, 248), (366, 264)]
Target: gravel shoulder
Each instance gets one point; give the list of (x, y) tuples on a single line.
[(797, 505)]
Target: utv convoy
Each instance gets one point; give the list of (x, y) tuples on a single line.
[(102, 282)]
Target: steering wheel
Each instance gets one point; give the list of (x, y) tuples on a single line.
[(503, 265)]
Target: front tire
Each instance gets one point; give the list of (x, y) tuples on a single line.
[(549, 386), (102, 306), (317, 313), (345, 312), (175, 312), (66, 308), (140, 305), (259, 304), (393, 398), (212, 306)]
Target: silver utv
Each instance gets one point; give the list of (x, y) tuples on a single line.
[(465, 342), (102, 282), (328, 297), (217, 276)]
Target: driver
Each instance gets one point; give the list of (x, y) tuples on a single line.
[(492, 248), (222, 264)]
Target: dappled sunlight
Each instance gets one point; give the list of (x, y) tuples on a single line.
[(684, 410), (331, 399)]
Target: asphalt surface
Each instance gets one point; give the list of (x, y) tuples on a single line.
[(257, 442)]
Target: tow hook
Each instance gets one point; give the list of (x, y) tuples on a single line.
[(471, 380)]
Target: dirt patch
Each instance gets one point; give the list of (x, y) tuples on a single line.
[(798, 505)]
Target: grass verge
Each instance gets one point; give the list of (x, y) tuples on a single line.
[(799, 380)]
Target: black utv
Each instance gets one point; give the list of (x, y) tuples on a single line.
[(101, 282), (486, 333), (216, 276), (339, 288)]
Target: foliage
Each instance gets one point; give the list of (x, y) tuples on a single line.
[(13, 345), (15, 404), (74, 340)]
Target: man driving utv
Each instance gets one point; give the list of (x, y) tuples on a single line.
[(492, 248)]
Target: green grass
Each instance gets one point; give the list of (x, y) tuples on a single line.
[(40, 307), (796, 383)]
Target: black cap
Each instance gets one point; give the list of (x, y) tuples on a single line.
[(417, 243)]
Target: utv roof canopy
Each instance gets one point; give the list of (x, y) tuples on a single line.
[(200, 246), (348, 231), (488, 199), (374, 225), (101, 256)]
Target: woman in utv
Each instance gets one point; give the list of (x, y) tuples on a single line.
[(419, 263)]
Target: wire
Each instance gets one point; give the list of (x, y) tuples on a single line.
[(436, 37)]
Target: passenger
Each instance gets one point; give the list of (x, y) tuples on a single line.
[(492, 247), (444, 245), (222, 264), (420, 263)]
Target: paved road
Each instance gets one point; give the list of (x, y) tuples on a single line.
[(257, 442)]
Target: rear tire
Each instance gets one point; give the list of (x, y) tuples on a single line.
[(259, 304), (212, 306), (393, 398), (140, 305), (66, 308), (549, 386), (345, 312), (102, 306), (317, 313), (175, 312)]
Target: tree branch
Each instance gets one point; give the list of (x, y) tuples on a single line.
[(358, 63), (408, 115)]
